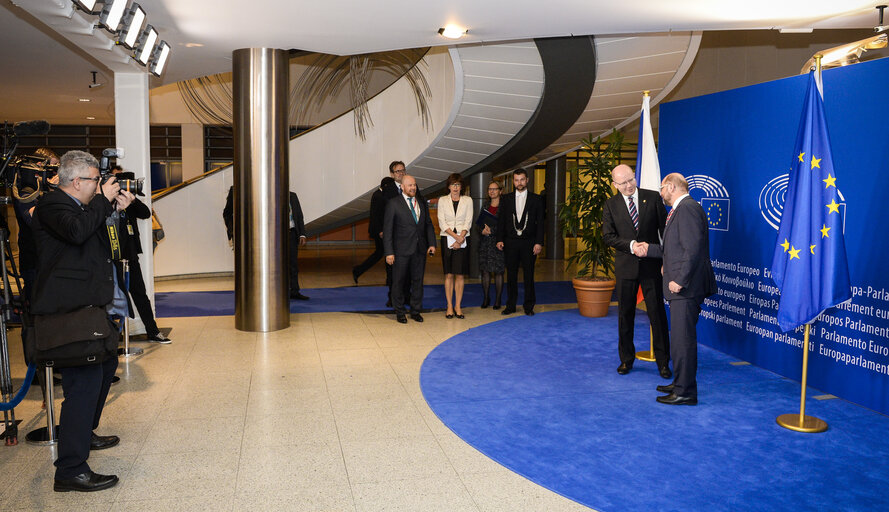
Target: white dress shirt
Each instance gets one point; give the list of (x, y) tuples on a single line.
[(520, 199)]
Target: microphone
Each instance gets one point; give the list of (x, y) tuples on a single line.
[(26, 128)]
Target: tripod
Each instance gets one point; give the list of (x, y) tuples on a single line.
[(11, 430)]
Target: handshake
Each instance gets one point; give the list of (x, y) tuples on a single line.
[(640, 249)]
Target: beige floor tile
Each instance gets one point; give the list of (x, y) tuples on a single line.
[(354, 357), (395, 459), (365, 375), (380, 422), (185, 475), (444, 494), (289, 429), (502, 489), (177, 436), (269, 469), (189, 405), (345, 398), (288, 401), (306, 377), (321, 498), (220, 503)]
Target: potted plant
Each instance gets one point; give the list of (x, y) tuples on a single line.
[(581, 218)]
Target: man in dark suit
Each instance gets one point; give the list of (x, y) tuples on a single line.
[(397, 173), (407, 238), (630, 217), (74, 270), (520, 237), (688, 278), (297, 238), (375, 227)]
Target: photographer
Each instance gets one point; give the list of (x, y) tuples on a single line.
[(74, 270), (131, 247)]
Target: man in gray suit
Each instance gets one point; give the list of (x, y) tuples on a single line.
[(688, 280), (407, 238)]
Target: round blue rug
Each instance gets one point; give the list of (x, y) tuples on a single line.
[(540, 395)]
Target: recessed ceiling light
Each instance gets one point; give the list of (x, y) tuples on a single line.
[(91, 117), (84, 99), (452, 31), (193, 45)]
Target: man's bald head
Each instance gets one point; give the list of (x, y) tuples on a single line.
[(624, 179)]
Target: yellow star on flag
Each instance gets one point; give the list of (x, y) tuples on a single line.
[(833, 207), (794, 253), (785, 245), (830, 181), (801, 155), (824, 231), (816, 162), (812, 248)]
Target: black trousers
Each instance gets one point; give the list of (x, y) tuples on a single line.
[(140, 297), (653, 292), (518, 252), (372, 260), (294, 261), (684, 345), (407, 272), (85, 388)]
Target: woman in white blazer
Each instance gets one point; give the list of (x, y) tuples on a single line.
[(455, 221)]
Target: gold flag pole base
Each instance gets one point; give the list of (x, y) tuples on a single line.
[(647, 355), (809, 425)]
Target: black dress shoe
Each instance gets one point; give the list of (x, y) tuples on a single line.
[(666, 388), (402, 319), (461, 316), (102, 442), (665, 372), (449, 315), (416, 317), (486, 303), (624, 368), (529, 312), (298, 296), (673, 399), (496, 306), (507, 311), (85, 482)]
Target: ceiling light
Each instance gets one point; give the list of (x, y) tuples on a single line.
[(452, 31), (806, 30), (87, 5), (160, 58), (846, 54), (112, 14), (91, 117), (84, 100), (132, 26), (193, 45), (146, 44)]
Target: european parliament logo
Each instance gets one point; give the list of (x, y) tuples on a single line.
[(771, 201), (714, 199)]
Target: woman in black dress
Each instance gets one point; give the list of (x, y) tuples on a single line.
[(455, 221), (490, 260)]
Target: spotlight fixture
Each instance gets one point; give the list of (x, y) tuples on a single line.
[(159, 57), (132, 26), (87, 5), (146, 45), (112, 12), (846, 54), (452, 31)]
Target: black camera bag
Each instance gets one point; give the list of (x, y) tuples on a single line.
[(81, 337)]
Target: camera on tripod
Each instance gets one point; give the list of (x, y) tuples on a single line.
[(126, 180)]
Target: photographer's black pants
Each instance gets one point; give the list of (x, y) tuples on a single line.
[(85, 388), (294, 262), (140, 297)]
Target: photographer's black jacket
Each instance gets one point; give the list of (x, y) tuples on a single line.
[(74, 266)]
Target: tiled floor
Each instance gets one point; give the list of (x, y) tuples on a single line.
[(324, 415)]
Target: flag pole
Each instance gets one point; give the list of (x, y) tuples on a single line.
[(646, 355), (800, 422)]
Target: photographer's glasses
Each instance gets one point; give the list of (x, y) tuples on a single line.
[(87, 178)]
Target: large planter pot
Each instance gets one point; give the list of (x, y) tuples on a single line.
[(593, 297)]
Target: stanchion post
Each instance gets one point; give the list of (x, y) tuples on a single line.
[(127, 351), (46, 436), (648, 355), (800, 422)]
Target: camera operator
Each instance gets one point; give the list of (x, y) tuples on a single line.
[(74, 269), (131, 247)]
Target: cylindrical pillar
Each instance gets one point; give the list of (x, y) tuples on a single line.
[(478, 191), (556, 174), (261, 188)]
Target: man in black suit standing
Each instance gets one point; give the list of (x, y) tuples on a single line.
[(630, 217), (75, 270), (407, 238), (688, 278), (520, 237), (297, 238), (375, 227)]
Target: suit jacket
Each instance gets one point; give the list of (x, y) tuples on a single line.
[(228, 213), (618, 231), (378, 208), (298, 223), (74, 266), (401, 235), (448, 219), (506, 221), (686, 253), (132, 245)]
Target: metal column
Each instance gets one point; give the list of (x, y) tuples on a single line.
[(261, 188), (478, 191), (555, 195)]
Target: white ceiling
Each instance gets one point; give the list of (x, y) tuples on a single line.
[(45, 72)]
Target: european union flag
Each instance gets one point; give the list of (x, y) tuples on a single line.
[(810, 264), (717, 212)]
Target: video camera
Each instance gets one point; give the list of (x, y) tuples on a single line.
[(126, 180)]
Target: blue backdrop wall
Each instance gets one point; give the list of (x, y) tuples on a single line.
[(735, 148)]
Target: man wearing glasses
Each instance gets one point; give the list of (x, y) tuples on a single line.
[(631, 220), (75, 270)]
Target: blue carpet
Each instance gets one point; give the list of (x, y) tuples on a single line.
[(541, 396), (346, 299)]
